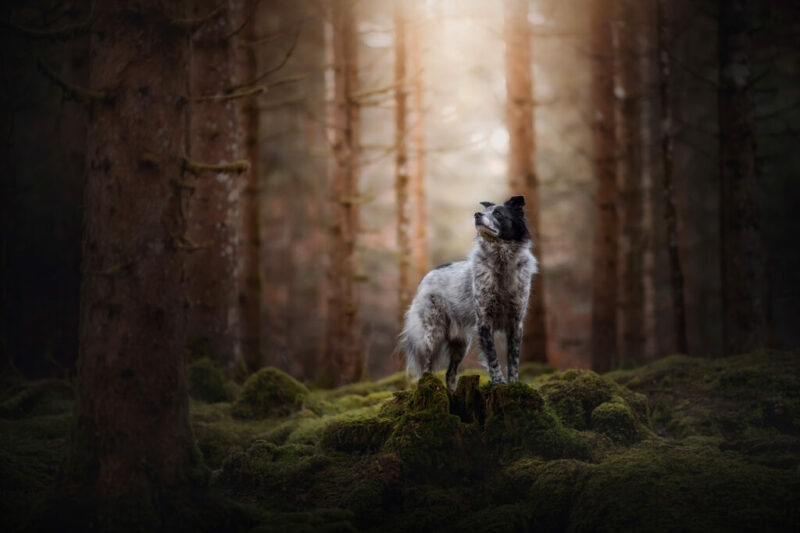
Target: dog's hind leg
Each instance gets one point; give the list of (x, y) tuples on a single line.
[(456, 349)]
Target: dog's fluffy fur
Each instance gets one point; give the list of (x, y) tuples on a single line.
[(486, 294)]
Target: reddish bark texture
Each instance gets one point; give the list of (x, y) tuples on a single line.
[(522, 161), (604, 284), (344, 355), (401, 177), (213, 323), (132, 434)]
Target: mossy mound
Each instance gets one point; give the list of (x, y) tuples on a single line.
[(748, 397), (269, 392), (36, 398), (575, 394), (430, 395), (206, 382), (362, 436), (519, 423), (616, 421)]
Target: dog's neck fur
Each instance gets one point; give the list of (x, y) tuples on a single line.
[(499, 253)]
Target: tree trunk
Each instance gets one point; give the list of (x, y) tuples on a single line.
[(401, 178), (213, 324), (250, 242), (668, 181), (419, 231), (604, 283), (521, 160), (132, 437), (630, 198), (343, 348), (743, 263)]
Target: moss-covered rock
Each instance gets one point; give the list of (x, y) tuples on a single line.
[(36, 398), (518, 423), (663, 485), (206, 382), (427, 443), (365, 435), (615, 420), (397, 406), (430, 395), (269, 392)]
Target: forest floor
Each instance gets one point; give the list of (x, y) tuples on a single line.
[(682, 444)]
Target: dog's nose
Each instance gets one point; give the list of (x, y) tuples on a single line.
[(477, 215)]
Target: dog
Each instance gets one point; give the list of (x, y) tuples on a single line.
[(479, 297)]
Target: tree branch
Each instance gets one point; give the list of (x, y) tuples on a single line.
[(81, 95), (276, 68), (193, 24), (236, 166), (250, 91)]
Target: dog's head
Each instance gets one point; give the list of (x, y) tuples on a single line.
[(504, 222)]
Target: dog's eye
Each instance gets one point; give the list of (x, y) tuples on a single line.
[(498, 215)]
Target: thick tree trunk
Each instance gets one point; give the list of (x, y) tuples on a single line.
[(419, 225), (132, 437), (343, 348), (401, 177), (630, 198), (743, 262), (604, 283), (213, 324), (250, 243), (521, 161), (669, 194)]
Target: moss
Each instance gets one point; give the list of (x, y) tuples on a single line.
[(615, 420), (532, 369), (518, 423), (427, 442), (574, 394), (749, 396), (206, 382), (36, 398), (357, 435), (377, 490), (269, 392), (397, 406), (689, 486), (430, 395)]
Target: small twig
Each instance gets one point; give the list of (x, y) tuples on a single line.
[(250, 91), (245, 20), (236, 166), (55, 32), (83, 96), (276, 68)]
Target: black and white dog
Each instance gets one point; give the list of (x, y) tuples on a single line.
[(486, 294)]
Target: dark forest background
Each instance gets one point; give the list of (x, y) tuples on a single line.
[(263, 183)]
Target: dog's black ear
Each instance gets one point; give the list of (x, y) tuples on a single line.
[(516, 202), (487, 205)]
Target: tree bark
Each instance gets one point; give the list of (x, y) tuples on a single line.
[(419, 230), (250, 281), (132, 436), (745, 324), (522, 161), (213, 325), (401, 177), (668, 181), (604, 146), (343, 348), (630, 199)]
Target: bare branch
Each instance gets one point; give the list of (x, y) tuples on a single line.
[(81, 95), (249, 91), (236, 166), (276, 68)]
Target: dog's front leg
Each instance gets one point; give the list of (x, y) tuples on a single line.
[(487, 347), (514, 340)]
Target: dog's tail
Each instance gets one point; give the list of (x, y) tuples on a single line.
[(408, 344)]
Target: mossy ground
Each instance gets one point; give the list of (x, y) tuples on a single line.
[(678, 445)]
